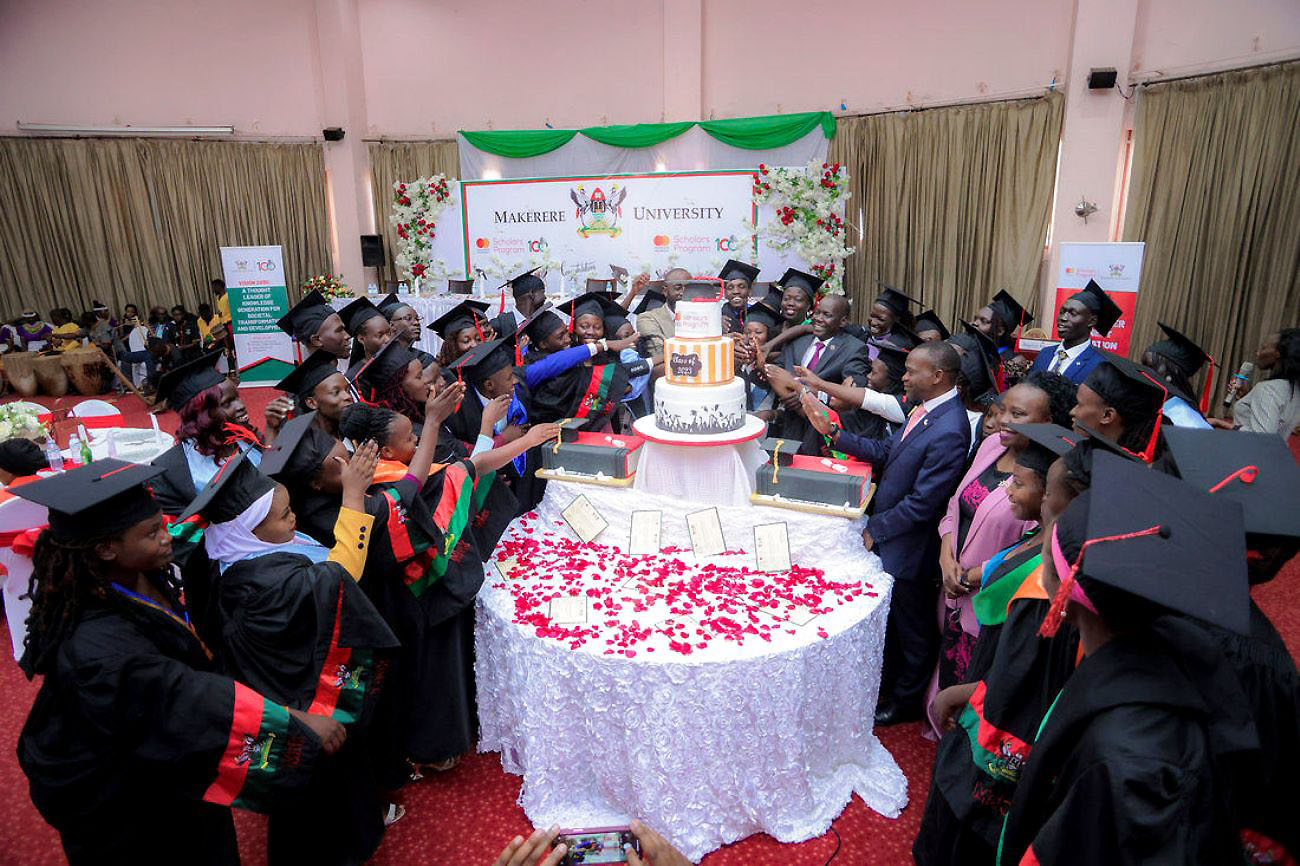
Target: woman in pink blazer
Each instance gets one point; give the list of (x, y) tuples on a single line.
[(978, 522)]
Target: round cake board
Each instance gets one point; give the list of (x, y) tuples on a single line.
[(647, 429)]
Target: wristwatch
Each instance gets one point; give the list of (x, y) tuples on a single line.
[(835, 431)]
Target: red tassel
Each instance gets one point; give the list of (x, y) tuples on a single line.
[(237, 433), (503, 300), (1149, 452), (1246, 475), (1205, 388), (479, 328), (519, 354), (1056, 612)]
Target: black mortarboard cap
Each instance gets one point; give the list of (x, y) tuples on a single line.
[(388, 303), (734, 270), (1092, 297), (387, 363), (1127, 385), (231, 492), (651, 298), (460, 287), (305, 317), (762, 311), (1255, 469), (895, 300), (983, 341), (357, 313), (930, 321), (893, 356), (526, 282), (464, 315), (975, 365), (94, 501), (22, 457), (298, 450), (1007, 310), (183, 383), (1046, 443), (597, 303), (540, 325), (1194, 562), (904, 336), (804, 282), (1178, 348), (613, 320), (486, 359), (315, 368)]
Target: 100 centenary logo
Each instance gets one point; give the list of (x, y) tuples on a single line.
[(599, 215)]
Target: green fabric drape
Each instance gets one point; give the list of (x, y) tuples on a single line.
[(750, 133), (1214, 198)]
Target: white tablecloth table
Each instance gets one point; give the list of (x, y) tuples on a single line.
[(700, 695)]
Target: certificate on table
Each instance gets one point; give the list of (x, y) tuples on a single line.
[(646, 526), (571, 608), (584, 519), (772, 547), (706, 532)]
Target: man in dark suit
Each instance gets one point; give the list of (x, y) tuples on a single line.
[(1075, 356), (917, 471), (829, 352)]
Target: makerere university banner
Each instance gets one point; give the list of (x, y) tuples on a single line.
[(695, 220)]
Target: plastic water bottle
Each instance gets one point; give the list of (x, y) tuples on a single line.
[(53, 456), (372, 289), (74, 446)]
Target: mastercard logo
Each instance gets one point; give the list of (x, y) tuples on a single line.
[(482, 243), (661, 240)]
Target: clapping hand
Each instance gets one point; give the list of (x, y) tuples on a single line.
[(359, 473), (277, 412), (493, 413), (440, 405)]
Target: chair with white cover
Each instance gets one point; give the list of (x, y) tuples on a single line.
[(17, 515), (97, 414)]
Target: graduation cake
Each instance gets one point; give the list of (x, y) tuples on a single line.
[(699, 393)]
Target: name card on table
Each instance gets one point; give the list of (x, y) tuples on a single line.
[(706, 532), (584, 519), (646, 526), (572, 608), (772, 547)]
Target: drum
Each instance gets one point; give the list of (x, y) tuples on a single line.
[(87, 370), (20, 367), (51, 378)]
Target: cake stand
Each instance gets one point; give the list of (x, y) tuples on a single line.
[(714, 469)]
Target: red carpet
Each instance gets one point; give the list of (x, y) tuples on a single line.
[(464, 817)]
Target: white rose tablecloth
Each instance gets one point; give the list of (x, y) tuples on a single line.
[(707, 698)]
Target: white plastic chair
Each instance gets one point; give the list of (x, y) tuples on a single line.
[(97, 414), (18, 514)]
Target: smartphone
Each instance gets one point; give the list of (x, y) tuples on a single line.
[(597, 845)]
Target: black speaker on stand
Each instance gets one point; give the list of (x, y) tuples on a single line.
[(372, 251)]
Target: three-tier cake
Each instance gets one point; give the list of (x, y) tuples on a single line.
[(699, 393)]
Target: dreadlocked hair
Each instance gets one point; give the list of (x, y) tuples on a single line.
[(1060, 393), (392, 396), (362, 423), (202, 422), (67, 577)]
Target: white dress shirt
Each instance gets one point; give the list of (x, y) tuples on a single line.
[(1071, 355)]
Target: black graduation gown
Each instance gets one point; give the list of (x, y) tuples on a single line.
[(135, 748), (732, 321), (303, 633), (1128, 767), (978, 763), (593, 393), (174, 490), (465, 423)]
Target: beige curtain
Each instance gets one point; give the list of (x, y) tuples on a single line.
[(140, 221), (1216, 198), (399, 161), (953, 203)]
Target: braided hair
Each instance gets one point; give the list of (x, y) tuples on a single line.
[(67, 577), (1060, 393), (391, 396), (361, 422)]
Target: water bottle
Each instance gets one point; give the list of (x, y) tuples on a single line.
[(372, 289), (53, 456), (74, 446)]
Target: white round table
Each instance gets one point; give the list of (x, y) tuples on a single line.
[(709, 699)]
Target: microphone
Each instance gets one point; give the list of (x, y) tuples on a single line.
[(1243, 375)]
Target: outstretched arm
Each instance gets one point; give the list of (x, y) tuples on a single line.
[(488, 461)]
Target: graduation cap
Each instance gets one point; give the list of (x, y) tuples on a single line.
[(466, 314), (1078, 460), (1156, 537), (930, 321), (305, 317), (460, 287), (388, 303), (904, 336), (613, 320), (486, 359), (1007, 310), (383, 366), (762, 311), (299, 449), (357, 313), (806, 283), (1046, 443), (303, 379), (1132, 390), (1255, 469), (22, 457), (983, 342), (1106, 310), (734, 270), (893, 356), (541, 325), (183, 383), (975, 365), (1187, 357), (94, 501), (652, 297), (597, 303), (894, 300), (526, 282), (620, 274), (231, 492)]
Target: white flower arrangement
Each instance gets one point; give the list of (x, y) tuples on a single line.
[(20, 422), (808, 204), (417, 205)]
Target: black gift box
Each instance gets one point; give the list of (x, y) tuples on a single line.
[(824, 485), (592, 454)]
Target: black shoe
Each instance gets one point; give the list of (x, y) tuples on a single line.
[(891, 713)]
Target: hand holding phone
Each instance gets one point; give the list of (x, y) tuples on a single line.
[(598, 845)]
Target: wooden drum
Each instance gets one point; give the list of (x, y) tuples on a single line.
[(20, 368), (87, 370), (51, 378)]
